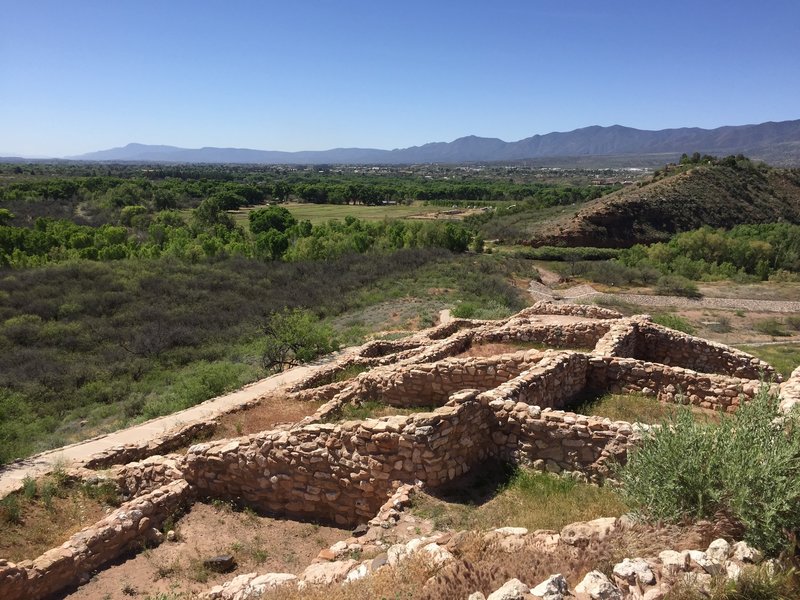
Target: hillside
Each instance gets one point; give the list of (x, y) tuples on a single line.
[(720, 195), (777, 143)]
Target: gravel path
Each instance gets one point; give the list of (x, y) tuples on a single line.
[(585, 291)]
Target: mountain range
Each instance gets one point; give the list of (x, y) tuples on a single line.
[(774, 142)]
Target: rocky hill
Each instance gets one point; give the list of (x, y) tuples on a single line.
[(680, 199)]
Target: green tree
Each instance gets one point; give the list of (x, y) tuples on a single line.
[(271, 217), (293, 337)]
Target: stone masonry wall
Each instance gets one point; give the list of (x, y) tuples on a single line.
[(73, 562), (431, 384), (573, 310), (343, 473), (669, 384), (790, 391), (552, 382), (659, 344), (574, 335), (620, 340)]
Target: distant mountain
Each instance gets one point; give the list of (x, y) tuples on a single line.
[(776, 143)]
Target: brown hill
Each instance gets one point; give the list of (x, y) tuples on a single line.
[(680, 198)]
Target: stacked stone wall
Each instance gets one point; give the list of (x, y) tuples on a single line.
[(790, 391), (669, 384), (557, 441), (169, 441), (621, 339), (659, 344), (74, 561), (431, 384), (574, 335), (551, 383), (572, 310), (142, 477), (343, 473)]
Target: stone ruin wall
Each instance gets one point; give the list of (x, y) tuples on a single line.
[(575, 335), (669, 384), (589, 311), (342, 473), (431, 384), (662, 345), (345, 472), (73, 562)]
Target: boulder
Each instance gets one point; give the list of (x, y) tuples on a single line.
[(223, 563), (513, 589), (581, 533), (328, 572), (633, 571), (554, 587), (598, 587), (719, 550)]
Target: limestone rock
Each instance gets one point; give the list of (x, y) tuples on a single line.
[(554, 587), (701, 559), (674, 562), (719, 550), (636, 570), (743, 552), (598, 587), (513, 589), (581, 533), (327, 573), (476, 596)]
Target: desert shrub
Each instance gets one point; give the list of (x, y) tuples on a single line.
[(747, 466), (676, 285), (674, 322), (771, 326), (295, 336)]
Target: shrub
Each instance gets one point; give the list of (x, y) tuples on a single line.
[(675, 285), (771, 326), (295, 336), (746, 466), (674, 322)]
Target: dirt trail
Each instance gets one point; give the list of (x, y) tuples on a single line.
[(542, 292), (11, 475)]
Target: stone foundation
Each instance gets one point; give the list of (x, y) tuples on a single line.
[(72, 563)]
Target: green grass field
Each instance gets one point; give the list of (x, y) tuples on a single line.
[(319, 213)]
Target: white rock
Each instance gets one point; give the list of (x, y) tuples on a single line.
[(719, 550), (709, 566), (359, 572), (270, 581), (674, 562), (635, 570), (396, 554), (512, 531), (339, 548), (328, 572), (552, 588), (476, 596), (513, 589), (580, 534), (438, 554), (733, 570), (743, 552), (598, 587)]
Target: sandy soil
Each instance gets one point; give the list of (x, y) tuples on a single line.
[(271, 412), (258, 543)]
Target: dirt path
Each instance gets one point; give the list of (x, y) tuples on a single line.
[(445, 316), (542, 292), (11, 475)]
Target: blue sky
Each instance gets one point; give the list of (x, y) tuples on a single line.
[(85, 75)]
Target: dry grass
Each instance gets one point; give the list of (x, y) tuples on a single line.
[(267, 414), (635, 408), (401, 583), (528, 499), (46, 513)]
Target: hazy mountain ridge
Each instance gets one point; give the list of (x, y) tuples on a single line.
[(775, 142)]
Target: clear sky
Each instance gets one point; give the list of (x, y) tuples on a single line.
[(80, 75)]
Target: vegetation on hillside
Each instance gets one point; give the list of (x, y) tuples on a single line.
[(714, 192)]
